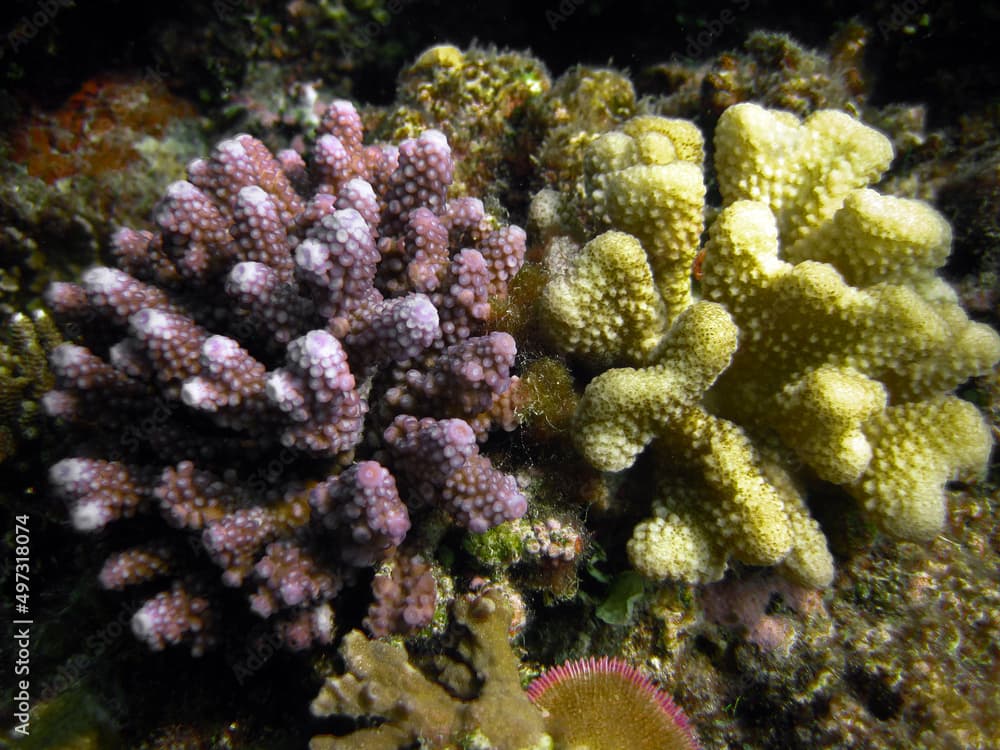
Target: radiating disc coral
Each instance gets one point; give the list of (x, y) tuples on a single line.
[(606, 704)]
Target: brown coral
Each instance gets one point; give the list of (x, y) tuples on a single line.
[(380, 681)]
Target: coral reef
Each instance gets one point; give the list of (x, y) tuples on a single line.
[(900, 650), (299, 355), (472, 696), (253, 425), (72, 174), (819, 342), (97, 129), (216, 49), (541, 556), (582, 103), (771, 69)]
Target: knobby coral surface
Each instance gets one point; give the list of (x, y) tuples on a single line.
[(819, 344), (290, 372)]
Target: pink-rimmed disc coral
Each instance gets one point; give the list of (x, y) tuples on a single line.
[(607, 704)]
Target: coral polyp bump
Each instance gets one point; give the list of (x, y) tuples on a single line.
[(606, 703)]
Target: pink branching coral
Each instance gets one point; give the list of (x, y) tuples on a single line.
[(291, 371)]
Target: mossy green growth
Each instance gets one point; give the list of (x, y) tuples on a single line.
[(473, 97), (549, 399), (74, 720), (515, 312), (502, 545)]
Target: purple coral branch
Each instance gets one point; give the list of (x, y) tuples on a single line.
[(283, 312)]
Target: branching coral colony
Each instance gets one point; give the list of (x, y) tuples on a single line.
[(290, 371), (822, 343)]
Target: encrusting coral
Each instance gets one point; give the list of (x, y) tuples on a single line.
[(820, 343), (473, 97), (381, 682), (293, 369)]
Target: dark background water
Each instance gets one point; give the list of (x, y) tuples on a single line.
[(922, 49)]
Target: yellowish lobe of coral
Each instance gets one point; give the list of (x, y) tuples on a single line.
[(620, 413), (685, 137), (647, 180), (809, 562), (969, 349), (697, 522), (655, 149), (662, 206), (609, 153), (821, 416), (603, 307), (802, 170), (803, 316), (441, 55), (746, 509), (721, 504), (876, 238), (673, 545), (623, 409), (917, 448), (700, 346)]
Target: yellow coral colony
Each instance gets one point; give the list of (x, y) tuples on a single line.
[(824, 338)]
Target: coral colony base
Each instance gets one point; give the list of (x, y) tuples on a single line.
[(287, 385)]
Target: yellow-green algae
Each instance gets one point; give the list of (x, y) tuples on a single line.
[(475, 97), (24, 377)]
